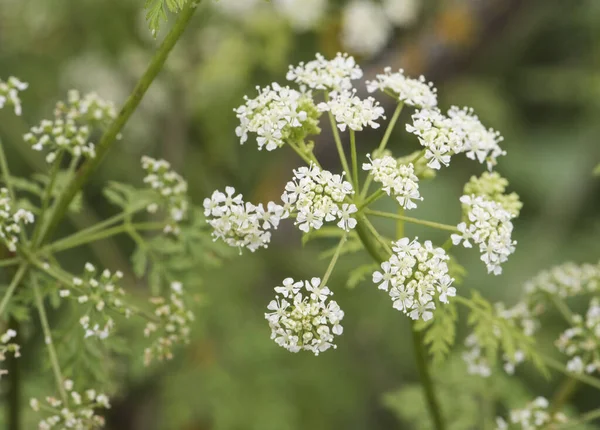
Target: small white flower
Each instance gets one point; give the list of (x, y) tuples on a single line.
[(398, 181), (352, 112), (330, 75), (413, 92), (9, 93)]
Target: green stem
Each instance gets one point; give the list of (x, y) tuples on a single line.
[(48, 341), (354, 160), (298, 151), (589, 416), (338, 144), (418, 156), (563, 394), (13, 285), (558, 366), (562, 308), (15, 383), (110, 136), (411, 220), (47, 196), (10, 261), (380, 255), (6, 172), (390, 128), (372, 198), (334, 259)]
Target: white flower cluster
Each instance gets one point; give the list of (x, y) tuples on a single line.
[(322, 74), (351, 111), (240, 224), (78, 413), (6, 346), (9, 93), (460, 131), (582, 342), (72, 126), (303, 316), (488, 225), (478, 363), (318, 196), (566, 280), (98, 295), (413, 276), (413, 92), (398, 180), (278, 114), (365, 27), (171, 188), (10, 221), (303, 15), (173, 326), (535, 416)]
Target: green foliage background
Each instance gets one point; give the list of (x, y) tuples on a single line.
[(536, 79)]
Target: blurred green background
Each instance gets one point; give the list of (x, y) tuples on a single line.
[(530, 69)]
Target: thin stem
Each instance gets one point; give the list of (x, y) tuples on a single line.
[(13, 285), (366, 186), (562, 308), (411, 220), (10, 261), (378, 237), (380, 255), (338, 144), (6, 173), (400, 224), (298, 151), (390, 128), (48, 341), (418, 156), (563, 394), (558, 366), (110, 135), (334, 259), (588, 416), (372, 198), (354, 159), (47, 196)]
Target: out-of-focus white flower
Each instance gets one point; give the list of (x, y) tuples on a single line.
[(352, 112), (11, 220), (237, 8), (401, 12), (365, 27), (488, 225), (303, 317), (413, 92), (276, 115), (534, 416), (317, 196), (172, 191), (321, 74), (302, 15), (413, 276), (9, 93), (397, 180), (240, 224), (8, 347)]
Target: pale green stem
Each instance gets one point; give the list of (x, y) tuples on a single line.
[(418, 156), (354, 160), (412, 220), (366, 185), (380, 255), (558, 366), (563, 394), (372, 198), (400, 223), (588, 416), (298, 151), (12, 286), (47, 196), (48, 341), (6, 172), (10, 261), (338, 144), (562, 308), (334, 260), (109, 137), (390, 128), (385, 244)]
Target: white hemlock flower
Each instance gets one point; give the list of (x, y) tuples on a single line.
[(171, 189), (414, 276), (413, 92), (331, 75), (11, 221), (365, 27), (303, 15), (398, 180), (9, 93), (277, 115), (240, 224), (79, 412), (351, 111), (8, 347), (318, 196), (303, 317), (534, 416), (488, 225), (173, 327)]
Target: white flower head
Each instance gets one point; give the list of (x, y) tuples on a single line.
[(303, 317), (322, 74), (401, 13), (534, 416), (351, 111), (318, 196), (11, 221), (398, 180), (9, 93), (414, 276), (413, 92), (365, 27)]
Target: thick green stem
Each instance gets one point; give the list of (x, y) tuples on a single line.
[(13, 285), (110, 136), (411, 220), (380, 255), (354, 160), (48, 341)]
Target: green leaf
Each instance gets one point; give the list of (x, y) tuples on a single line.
[(360, 273), (440, 332), (156, 11)]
